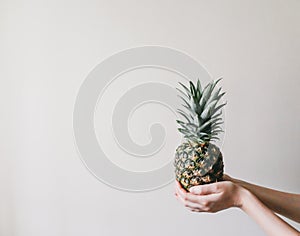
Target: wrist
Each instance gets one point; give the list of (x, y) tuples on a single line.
[(242, 196)]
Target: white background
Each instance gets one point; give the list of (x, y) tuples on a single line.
[(48, 48)]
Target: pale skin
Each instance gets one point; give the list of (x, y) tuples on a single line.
[(258, 202)]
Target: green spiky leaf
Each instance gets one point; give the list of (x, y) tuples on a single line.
[(202, 111)]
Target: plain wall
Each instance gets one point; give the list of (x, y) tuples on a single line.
[(49, 47)]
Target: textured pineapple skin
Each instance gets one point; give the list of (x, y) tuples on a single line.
[(197, 164)]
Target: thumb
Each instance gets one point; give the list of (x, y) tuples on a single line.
[(205, 189)]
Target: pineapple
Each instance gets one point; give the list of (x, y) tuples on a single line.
[(198, 160)]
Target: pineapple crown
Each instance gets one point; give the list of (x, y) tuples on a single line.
[(202, 111)]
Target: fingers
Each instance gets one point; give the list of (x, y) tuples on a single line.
[(206, 203), (188, 204), (186, 196), (178, 185), (196, 203), (206, 189)]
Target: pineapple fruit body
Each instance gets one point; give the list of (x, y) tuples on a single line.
[(197, 164)]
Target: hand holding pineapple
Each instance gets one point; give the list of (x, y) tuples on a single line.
[(211, 197)]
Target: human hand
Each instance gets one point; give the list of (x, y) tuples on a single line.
[(210, 197)]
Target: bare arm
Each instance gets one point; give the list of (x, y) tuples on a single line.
[(286, 204), (270, 223)]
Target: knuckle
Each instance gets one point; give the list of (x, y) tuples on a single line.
[(199, 190)]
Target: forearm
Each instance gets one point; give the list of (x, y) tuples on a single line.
[(286, 204), (271, 223)]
